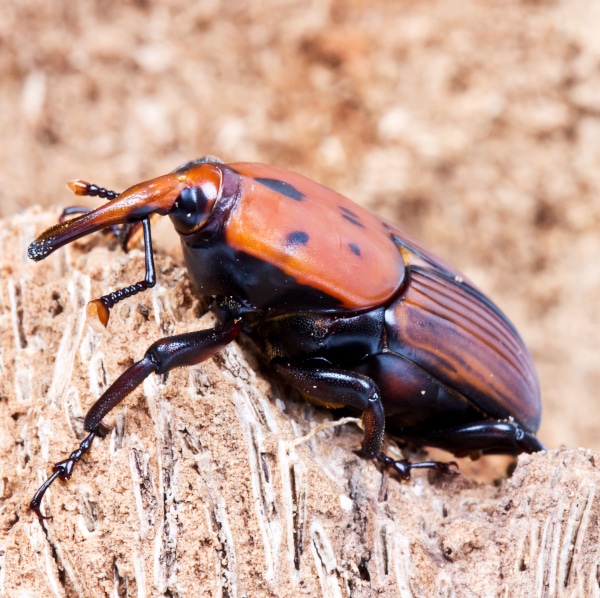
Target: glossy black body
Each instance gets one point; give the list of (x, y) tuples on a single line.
[(443, 357)]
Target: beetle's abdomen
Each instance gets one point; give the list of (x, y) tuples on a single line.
[(456, 335), (315, 236)]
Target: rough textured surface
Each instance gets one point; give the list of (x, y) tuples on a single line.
[(200, 489), (475, 125)]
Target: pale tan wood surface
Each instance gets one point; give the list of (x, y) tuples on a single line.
[(199, 489)]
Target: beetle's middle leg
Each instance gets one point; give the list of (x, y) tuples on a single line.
[(164, 355), (337, 388), (340, 388)]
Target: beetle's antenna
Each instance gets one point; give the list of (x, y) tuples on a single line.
[(98, 310), (83, 188)]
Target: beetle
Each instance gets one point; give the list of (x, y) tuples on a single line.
[(344, 306)]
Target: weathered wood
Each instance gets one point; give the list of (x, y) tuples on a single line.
[(199, 489)]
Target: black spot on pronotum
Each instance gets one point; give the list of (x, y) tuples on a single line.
[(355, 249), (298, 237), (281, 187), (349, 212), (353, 221)]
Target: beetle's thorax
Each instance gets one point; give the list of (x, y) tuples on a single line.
[(272, 243)]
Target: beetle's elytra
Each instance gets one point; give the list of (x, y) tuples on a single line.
[(345, 307)]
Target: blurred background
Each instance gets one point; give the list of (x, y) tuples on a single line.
[(475, 125)]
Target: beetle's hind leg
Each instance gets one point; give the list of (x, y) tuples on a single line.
[(336, 388), (480, 438), (485, 437)]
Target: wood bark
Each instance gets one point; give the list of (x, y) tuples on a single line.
[(200, 488)]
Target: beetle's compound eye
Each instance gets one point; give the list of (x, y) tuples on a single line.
[(194, 205)]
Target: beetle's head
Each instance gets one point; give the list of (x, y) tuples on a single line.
[(188, 195)]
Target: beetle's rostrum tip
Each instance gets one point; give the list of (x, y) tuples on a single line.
[(38, 250)]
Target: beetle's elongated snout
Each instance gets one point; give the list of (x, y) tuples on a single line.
[(156, 196)]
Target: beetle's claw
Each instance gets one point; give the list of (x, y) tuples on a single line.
[(63, 470), (403, 467), (38, 512), (36, 503)]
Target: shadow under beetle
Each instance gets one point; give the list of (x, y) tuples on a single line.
[(344, 306)]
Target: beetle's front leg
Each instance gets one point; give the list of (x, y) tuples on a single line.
[(339, 388), (164, 355)]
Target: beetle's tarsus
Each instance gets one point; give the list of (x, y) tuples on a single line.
[(403, 467), (62, 470)]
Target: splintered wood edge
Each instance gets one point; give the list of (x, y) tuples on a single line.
[(201, 487)]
